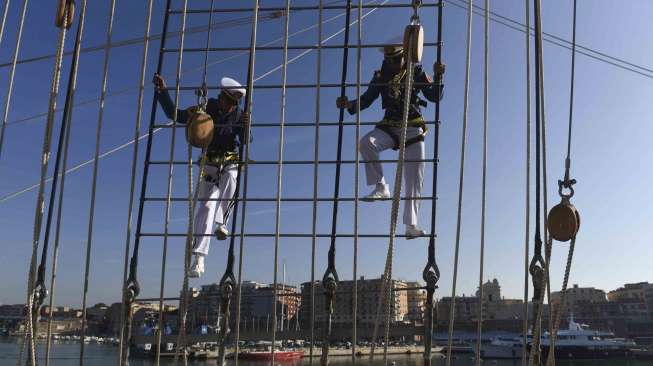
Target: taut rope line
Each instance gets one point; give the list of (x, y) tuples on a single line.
[(12, 72), (483, 184), (460, 184), (132, 182)]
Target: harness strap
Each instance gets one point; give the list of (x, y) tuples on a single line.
[(388, 130)]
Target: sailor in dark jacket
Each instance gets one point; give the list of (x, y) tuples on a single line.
[(220, 172), (389, 83)]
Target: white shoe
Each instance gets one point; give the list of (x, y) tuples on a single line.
[(221, 232), (197, 268), (412, 232), (381, 191)]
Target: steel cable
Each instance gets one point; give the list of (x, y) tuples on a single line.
[(244, 168), (354, 334), (3, 21), (91, 215), (479, 330), (431, 272), (169, 188), (460, 184), (527, 187), (12, 71), (122, 356), (280, 152)]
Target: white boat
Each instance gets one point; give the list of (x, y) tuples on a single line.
[(575, 342), (580, 342)]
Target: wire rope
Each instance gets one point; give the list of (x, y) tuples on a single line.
[(173, 139), (91, 215), (12, 71), (277, 216), (479, 330), (460, 183), (527, 188), (122, 356)]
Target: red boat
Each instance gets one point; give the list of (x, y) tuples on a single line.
[(267, 355)]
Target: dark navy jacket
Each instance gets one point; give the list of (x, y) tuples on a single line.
[(228, 133), (394, 105)]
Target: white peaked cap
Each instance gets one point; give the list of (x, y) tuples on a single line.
[(232, 87), (398, 40)]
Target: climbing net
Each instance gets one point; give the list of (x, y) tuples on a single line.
[(562, 223)]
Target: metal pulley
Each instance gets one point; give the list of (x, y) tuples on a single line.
[(563, 221), (414, 36), (63, 18)]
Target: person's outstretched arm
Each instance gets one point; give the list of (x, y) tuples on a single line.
[(366, 99), (166, 102)]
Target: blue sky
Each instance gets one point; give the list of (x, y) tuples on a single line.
[(610, 149)]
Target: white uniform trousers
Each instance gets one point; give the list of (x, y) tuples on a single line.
[(376, 141), (209, 209)]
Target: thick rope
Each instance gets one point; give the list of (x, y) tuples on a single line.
[(527, 187), (91, 214), (3, 21), (132, 181), (40, 202), (479, 330), (192, 203), (277, 216), (55, 252), (386, 284), (561, 304), (12, 72), (460, 184), (244, 168), (169, 189), (354, 305)]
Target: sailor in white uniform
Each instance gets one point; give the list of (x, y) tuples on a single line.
[(389, 84), (216, 190)]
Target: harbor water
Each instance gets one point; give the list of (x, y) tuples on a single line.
[(67, 354)]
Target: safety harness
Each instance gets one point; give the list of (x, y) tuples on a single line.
[(388, 126)]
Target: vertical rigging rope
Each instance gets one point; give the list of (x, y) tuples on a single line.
[(55, 252), (461, 181), (132, 287), (330, 278), (386, 281), (431, 272), (132, 182), (528, 185), (91, 214), (3, 21), (192, 203), (277, 218), (244, 163), (354, 334), (483, 184), (164, 254), (35, 295), (539, 265), (12, 71), (316, 155)]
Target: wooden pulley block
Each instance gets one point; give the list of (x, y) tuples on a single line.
[(199, 128), (563, 221), (414, 41), (62, 19)]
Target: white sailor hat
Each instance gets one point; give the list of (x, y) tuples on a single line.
[(394, 47), (232, 88)]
